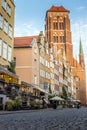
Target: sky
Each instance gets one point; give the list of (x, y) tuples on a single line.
[(30, 19)]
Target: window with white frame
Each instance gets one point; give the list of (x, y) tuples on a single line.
[(46, 75), (1, 21), (42, 73), (5, 50), (52, 75), (4, 4), (46, 62), (47, 51), (10, 31), (0, 47), (8, 10), (42, 60), (9, 53), (50, 64), (5, 26)]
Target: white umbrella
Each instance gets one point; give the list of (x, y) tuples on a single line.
[(56, 98), (77, 100)]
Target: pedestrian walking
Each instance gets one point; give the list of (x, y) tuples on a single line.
[(54, 105), (43, 99), (78, 105)]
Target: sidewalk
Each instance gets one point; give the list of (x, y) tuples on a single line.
[(31, 110), (23, 111), (18, 111)]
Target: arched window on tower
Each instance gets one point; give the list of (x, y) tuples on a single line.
[(61, 25), (61, 39), (55, 25), (55, 39)]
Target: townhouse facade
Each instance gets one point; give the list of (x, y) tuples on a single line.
[(44, 63), (26, 54)]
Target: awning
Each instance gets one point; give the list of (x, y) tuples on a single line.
[(73, 100), (76, 100), (56, 98), (25, 83), (5, 71)]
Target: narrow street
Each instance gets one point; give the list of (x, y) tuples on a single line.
[(66, 119)]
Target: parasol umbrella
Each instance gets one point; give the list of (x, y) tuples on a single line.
[(56, 98)]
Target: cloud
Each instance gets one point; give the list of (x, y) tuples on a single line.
[(26, 29), (81, 8)]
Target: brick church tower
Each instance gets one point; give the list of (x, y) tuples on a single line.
[(57, 30), (58, 36)]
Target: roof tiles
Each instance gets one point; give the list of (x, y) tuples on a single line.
[(58, 9), (24, 41)]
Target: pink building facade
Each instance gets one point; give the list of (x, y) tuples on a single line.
[(26, 54)]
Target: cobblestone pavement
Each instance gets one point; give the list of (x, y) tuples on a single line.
[(66, 119)]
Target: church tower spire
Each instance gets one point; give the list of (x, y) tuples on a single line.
[(81, 54), (80, 47)]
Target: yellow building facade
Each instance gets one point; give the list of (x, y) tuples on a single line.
[(6, 31)]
